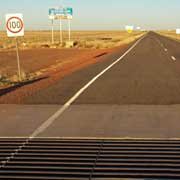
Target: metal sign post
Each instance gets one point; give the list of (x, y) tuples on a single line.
[(69, 24), (52, 23), (15, 28), (60, 32), (18, 60), (129, 29)]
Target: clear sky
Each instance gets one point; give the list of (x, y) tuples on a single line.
[(98, 14)]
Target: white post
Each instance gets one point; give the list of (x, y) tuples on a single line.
[(69, 23), (60, 33), (18, 61), (52, 31)]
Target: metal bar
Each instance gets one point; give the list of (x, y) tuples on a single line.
[(18, 61), (60, 31), (52, 24), (69, 25), (78, 159)]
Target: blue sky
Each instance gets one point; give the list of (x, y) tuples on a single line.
[(98, 14)]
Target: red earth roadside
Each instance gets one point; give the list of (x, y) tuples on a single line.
[(51, 63)]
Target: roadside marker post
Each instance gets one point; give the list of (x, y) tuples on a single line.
[(15, 28)]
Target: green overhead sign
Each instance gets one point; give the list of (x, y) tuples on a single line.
[(61, 13)]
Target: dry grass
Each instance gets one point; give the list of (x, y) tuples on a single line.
[(82, 39), (171, 34), (7, 81)]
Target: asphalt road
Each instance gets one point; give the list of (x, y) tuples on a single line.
[(148, 75), (138, 97)]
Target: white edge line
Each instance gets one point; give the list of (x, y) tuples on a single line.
[(173, 58), (48, 122)]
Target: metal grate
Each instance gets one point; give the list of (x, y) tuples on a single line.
[(41, 159)]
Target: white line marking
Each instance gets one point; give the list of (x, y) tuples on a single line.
[(173, 58), (165, 50), (48, 122)]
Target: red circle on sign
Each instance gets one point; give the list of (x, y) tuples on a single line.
[(20, 23)]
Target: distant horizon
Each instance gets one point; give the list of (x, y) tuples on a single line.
[(97, 15), (29, 30)]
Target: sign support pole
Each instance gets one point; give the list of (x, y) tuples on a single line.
[(52, 22), (60, 35), (69, 24), (18, 61)]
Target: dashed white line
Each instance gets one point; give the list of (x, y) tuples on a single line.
[(48, 122), (173, 58)]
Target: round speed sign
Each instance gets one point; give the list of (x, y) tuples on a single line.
[(14, 25)]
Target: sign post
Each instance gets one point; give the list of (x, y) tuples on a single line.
[(15, 28), (52, 34), (69, 14), (129, 29), (61, 13), (69, 24), (178, 31), (18, 60), (60, 31)]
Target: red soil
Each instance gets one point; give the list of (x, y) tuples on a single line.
[(56, 64)]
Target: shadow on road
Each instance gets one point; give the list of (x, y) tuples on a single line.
[(19, 85)]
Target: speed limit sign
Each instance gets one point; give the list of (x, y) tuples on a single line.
[(14, 25), (15, 28)]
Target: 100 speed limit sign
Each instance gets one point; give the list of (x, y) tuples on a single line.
[(14, 25)]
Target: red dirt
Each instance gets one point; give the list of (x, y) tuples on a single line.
[(66, 61), (36, 59)]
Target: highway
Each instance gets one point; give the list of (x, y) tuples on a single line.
[(147, 75), (134, 93), (118, 118)]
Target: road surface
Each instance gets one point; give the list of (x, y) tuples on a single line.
[(148, 75), (136, 95)]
